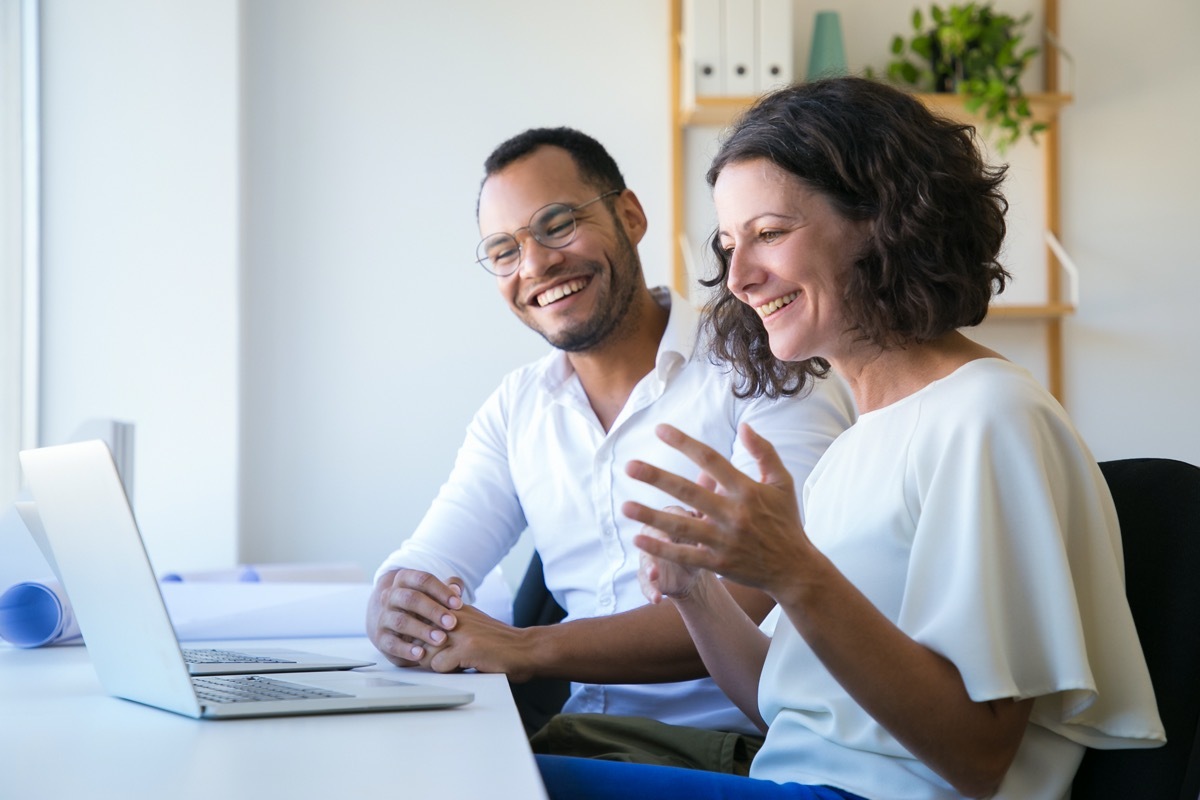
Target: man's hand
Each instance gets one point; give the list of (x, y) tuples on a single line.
[(410, 611), (484, 644)]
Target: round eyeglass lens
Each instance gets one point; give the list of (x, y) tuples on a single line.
[(499, 253), (554, 225)]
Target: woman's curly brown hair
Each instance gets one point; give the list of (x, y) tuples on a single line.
[(935, 207)]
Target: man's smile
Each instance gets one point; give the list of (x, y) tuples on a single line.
[(560, 291)]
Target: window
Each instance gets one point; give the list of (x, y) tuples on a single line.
[(19, 236)]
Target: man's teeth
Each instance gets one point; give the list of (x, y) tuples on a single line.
[(776, 304), (561, 291)]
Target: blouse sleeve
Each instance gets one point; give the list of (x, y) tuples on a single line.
[(1017, 575)]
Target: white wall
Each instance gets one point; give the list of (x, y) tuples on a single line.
[(1131, 202), (312, 390), (140, 302), (370, 336)]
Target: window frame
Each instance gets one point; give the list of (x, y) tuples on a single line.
[(20, 237)]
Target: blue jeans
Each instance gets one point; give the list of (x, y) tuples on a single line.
[(569, 778)]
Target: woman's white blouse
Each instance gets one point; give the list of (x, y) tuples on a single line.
[(973, 516)]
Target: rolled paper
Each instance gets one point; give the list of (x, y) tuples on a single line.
[(33, 614)]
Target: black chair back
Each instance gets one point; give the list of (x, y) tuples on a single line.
[(541, 698), (1158, 503)]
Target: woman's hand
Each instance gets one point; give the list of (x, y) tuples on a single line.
[(741, 529), (660, 578)]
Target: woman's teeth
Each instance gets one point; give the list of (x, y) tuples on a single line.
[(559, 292), (776, 304)]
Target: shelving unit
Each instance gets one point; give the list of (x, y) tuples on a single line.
[(1046, 106)]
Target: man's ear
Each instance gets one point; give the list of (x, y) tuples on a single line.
[(629, 212)]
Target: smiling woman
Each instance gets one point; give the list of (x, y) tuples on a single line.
[(18, 235)]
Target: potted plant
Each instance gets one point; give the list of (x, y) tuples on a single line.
[(972, 49)]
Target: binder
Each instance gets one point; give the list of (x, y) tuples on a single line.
[(741, 62), (702, 21), (776, 60)]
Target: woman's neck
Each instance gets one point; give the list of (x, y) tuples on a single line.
[(879, 377)]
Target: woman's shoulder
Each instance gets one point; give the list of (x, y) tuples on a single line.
[(987, 387), (991, 399)]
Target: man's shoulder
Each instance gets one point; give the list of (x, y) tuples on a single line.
[(535, 377)]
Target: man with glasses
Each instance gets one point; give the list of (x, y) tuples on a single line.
[(548, 449)]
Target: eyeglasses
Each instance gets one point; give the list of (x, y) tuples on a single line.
[(552, 226)]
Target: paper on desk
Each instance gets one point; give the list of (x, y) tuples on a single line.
[(37, 613), (266, 610), (274, 573)]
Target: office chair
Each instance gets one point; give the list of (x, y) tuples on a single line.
[(1158, 504), (541, 698)]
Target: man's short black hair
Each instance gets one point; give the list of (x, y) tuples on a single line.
[(595, 165)]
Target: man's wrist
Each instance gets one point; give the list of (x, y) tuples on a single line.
[(531, 652)]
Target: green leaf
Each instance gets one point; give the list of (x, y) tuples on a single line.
[(982, 50)]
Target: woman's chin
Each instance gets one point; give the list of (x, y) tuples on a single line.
[(788, 351)]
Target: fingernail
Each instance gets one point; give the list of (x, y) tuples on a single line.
[(417, 652), (448, 621), (438, 637)]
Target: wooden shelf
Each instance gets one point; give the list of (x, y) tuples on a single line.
[(1044, 105), (722, 111), (1046, 311)]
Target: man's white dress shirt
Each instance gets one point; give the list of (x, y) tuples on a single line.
[(536, 457)]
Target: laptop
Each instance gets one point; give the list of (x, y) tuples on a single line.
[(103, 566), (210, 661)]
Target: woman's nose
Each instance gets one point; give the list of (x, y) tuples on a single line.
[(743, 274)]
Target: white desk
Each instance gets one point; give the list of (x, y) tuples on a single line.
[(61, 736)]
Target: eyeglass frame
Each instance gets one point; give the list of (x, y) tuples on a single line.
[(484, 260)]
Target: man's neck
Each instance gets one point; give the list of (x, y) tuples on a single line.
[(609, 372)]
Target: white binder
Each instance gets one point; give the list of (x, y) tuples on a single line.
[(741, 62), (776, 49), (702, 47)]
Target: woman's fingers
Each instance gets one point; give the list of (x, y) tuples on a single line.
[(677, 527), (710, 462), (770, 465), (691, 494), (685, 555)]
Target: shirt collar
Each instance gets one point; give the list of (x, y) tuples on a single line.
[(675, 348), (679, 339)]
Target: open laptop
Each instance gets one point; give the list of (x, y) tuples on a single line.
[(102, 563), (205, 661)]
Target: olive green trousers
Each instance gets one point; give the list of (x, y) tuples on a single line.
[(646, 741)]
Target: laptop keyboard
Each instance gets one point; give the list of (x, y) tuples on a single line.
[(227, 657), (249, 688)]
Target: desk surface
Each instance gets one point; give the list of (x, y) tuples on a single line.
[(62, 736)]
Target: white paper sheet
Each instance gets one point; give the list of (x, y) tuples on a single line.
[(37, 613), (274, 573)]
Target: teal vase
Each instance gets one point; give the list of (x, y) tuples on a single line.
[(827, 56)]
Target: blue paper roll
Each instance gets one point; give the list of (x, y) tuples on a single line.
[(31, 615)]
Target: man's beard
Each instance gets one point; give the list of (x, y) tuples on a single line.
[(600, 329)]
